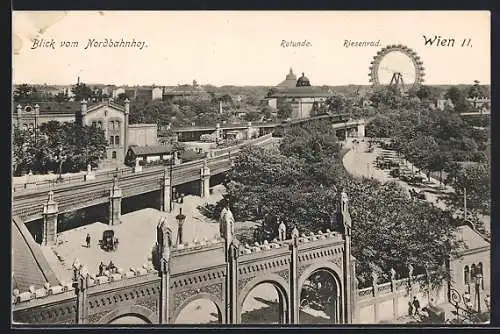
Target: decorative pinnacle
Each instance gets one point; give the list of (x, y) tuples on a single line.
[(51, 197)]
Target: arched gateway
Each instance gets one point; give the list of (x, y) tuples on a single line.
[(303, 279)]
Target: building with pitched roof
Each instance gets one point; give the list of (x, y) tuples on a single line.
[(304, 99), (108, 115), (183, 92), (472, 258)]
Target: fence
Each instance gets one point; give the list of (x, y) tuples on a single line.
[(46, 184), (389, 301)]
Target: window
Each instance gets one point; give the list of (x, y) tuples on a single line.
[(117, 124), (94, 124), (480, 271), (117, 140), (99, 124), (466, 275), (473, 271), (113, 155), (111, 140)]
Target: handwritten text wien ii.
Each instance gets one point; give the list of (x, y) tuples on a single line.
[(50, 43)]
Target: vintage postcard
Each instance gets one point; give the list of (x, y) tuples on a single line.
[(256, 167)]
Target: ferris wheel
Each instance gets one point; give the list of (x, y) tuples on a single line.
[(397, 65)]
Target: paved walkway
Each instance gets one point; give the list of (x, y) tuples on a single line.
[(361, 163), (136, 234)]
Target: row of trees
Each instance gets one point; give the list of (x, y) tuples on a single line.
[(300, 184), (440, 142), (57, 147), (27, 94)]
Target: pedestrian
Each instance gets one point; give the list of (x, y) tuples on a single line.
[(281, 230), (111, 266), (101, 269), (416, 305), (410, 308), (87, 240)]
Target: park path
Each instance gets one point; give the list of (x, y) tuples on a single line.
[(361, 163)]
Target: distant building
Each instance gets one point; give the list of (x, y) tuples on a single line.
[(303, 98), (30, 116), (183, 92), (108, 115), (441, 104), (480, 104), (148, 154), (143, 134), (139, 93), (117, 91)]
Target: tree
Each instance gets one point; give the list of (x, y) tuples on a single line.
[(457, 96), (268, 111), (253, 116), (82, 92), (285, 110), (79, 145), (301, 189), (426, 93), (477, 91), (336, 104), (122, 97), (25, 93), (387, 96), (313, 142), (476, 180), (61, 97)]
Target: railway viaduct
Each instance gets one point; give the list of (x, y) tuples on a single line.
[(222, 271)]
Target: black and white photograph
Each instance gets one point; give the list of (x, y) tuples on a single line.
[(250, 167)]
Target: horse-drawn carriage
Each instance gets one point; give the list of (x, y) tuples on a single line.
[(412, 178), (386, 163), (109, 242)]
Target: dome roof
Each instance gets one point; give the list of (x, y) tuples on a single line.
[(291, 75), (303, 81)]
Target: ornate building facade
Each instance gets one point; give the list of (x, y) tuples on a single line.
[(107, 115), (303, 98)]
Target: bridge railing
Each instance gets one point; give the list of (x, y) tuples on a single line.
[(66, 290), (233, 149), (45, 184)]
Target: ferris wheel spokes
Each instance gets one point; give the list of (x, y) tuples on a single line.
[(397, 75)]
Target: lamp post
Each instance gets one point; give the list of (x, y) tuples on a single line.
[(465, 203), (61, 157), (180, 220)]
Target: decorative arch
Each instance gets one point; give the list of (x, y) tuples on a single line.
[(337, 275), (278, 282), (139, 311), (201, 295)]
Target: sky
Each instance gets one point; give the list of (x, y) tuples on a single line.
[(244, 48)]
